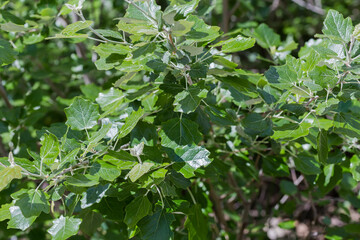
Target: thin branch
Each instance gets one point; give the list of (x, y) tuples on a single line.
[(311, 7), (3, 94), (218, 208)]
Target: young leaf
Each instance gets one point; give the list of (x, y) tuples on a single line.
[(322, 146), (8, 174), (105, 171), (138, 170), (64, 227), (354, 168), (136, 210), (266, 37), (324, 77), (70, 31), (80, 180), (201, 32), (236, 44), (131, 122), (301, 131), (336, 26), (110, 99), (82, 114), (50, 149)]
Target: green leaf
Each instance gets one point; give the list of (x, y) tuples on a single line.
[(324, 77), (18, 220), (110, 99), (12, 27), (7, 55), (188, 100), (201, 32), (335, 26), (194, 157), (91, 221), (82, 114), (131, 122), (80, 180), (138, 170), (157, 226), (322, 146), (288, 187), (121, 159), (354, 168), (5, 211), (144, 132), (8, 174), (281, 76), (236, 44), (105, 171), (50, 149), (307, 165), (287, 224), (301, 130), (144, 50), (196, 224), (93, 195), (255, 125), (142, 10), (69, 158), (266, 37), (311, 60), (64, 227), (324, 106), (96, 137), (136, 210), (182, 8), (198, 70), (179, 131), (70, 31), (111, 55), (179, 180), (32, 203), (181, 27)]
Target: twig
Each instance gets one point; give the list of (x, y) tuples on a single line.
[(3, 94), (246, 203), (3, 150), (218, 209), (225, 16), (308, 6)]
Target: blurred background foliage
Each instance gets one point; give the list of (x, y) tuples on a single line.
[(49, 73)]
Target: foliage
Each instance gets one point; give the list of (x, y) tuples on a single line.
[(175, 141)]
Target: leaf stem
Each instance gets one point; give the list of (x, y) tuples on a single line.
[(162, 200), (191, 195)]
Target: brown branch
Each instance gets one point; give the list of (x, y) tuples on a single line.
[(308, 6), (3, 151), (225, 16), (218, 208), (4, 96), (246, 203)]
